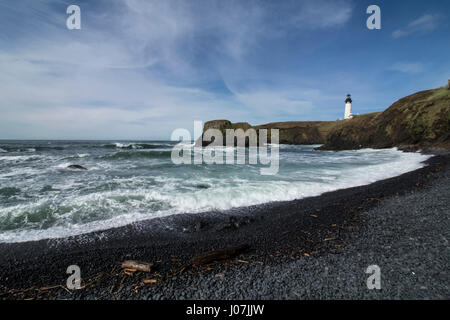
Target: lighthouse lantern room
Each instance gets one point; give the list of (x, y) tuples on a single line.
[(348, 108)]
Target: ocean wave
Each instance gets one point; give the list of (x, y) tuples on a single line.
[(137, 145), (45, 148), (29, 148), (11, 149), (137, 155), (115, 145), (63, 165), (86, 205), (9, 191), (82, 155), (20, 158)]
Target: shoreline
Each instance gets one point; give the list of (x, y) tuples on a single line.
[(310, 227), (87, 230)]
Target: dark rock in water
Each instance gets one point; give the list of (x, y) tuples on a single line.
[(202, 186), (76, 166)]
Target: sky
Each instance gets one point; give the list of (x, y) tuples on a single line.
[(139, 69)]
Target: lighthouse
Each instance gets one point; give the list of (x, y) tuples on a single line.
[(348, 108)]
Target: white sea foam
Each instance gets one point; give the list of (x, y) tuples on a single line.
[(123, 145), (140, 145), (18, 172), (20, 158), (63, 165), (137, 200), (3, 150)]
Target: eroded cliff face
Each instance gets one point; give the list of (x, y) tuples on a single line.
[(295, 132), (418, 121)]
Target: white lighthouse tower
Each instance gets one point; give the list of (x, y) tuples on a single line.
[(348, 108)]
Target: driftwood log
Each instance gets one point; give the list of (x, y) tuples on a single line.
[(137, 265), (217, 255)]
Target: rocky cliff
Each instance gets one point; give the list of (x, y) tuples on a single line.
[(418, 121), (294, 132)]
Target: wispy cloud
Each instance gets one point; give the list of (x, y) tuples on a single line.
[(421, 25), (139, 68), (272, 102), (408, 67), (322, 14)]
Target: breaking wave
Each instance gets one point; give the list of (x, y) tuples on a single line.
[(39, 200)]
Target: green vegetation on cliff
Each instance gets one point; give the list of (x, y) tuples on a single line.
[(418, 121), (421, 120)]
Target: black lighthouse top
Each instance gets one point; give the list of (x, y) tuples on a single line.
[(348, 99)]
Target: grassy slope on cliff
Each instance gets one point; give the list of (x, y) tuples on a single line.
[(421, 120)]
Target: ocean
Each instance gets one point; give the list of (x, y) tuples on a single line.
[(129, 181)]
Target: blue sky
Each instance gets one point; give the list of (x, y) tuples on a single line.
[(139, 69)]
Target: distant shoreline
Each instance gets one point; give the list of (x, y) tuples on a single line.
[(270, 229)]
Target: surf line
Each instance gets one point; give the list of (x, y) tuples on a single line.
[(251, 145)]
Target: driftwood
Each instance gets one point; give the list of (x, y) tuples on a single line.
[(137, 266), (150, 281), (220, 254)]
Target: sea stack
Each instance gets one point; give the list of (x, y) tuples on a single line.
[(348, 108)]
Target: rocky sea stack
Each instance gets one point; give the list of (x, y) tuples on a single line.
[(418, 121)]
